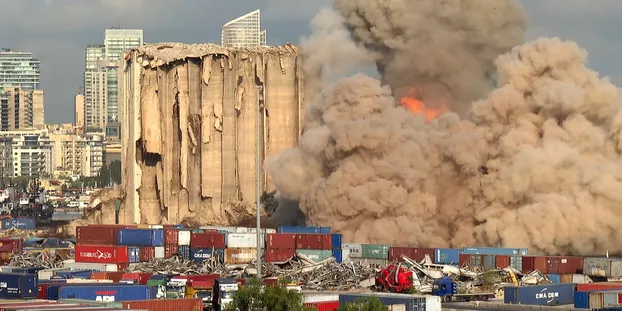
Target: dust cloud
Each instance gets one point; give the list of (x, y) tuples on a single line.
[(535, 163)]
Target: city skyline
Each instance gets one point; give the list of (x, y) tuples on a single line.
[(59, 42)]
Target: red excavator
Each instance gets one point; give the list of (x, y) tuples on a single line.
[(395, 278)]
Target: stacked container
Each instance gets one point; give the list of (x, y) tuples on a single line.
[(149, 241), (280, 247), (371, 253), (447, 256), (314, 246), (21, 223), (207, 245), (416, 254), (242, 247), (336, 246), (171, 242)]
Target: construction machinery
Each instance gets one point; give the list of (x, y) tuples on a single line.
[(446, 288)]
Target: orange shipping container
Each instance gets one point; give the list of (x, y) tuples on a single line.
[(502, 261), (564, 265), (238, 256), (531, 263), (184, 304), (601, 286), (109, 275)]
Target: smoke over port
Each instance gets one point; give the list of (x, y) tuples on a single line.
[(470, 137)]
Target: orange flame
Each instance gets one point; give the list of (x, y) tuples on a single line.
[(410, 101)]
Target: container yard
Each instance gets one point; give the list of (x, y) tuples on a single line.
[(148, 266)]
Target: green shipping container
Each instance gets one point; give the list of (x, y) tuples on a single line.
[(316, 254), (375, 251), (516, 262)]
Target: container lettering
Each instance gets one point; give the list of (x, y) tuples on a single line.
[(97, 254), (105, 298), (547, 295)]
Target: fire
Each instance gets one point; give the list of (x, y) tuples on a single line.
[(410, 101)]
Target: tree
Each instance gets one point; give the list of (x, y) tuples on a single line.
[(104, 176), (115, 171), (255, 297), (364, 304)]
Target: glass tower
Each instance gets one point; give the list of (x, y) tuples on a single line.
[(18, 70), (244, 31)]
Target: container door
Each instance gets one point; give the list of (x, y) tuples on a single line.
[(611, 300), (553, 265)]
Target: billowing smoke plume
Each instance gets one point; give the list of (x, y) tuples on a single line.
[(535, 164), (444, 44)]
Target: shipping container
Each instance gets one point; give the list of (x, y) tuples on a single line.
[(202, 254), (183, 237), (104, 235), (279, 255), (554, 278), (109, 292), (338, 255), (114, 276), (600, 286), (303, 230), (502, 261), (53, 290), (139, 277), (354, 250), (156, 227), (416, 254), (16, 269), (15, 245), (494, 251), (205, 240), (382, 263), (224, 228), (606, 299), (244, 240), (281, 240), (18, 286), (141, 237), (315, 254), (47, 274), (531, 263), (447, 256), (375, 251), (73, 274), (170, 250), (21, 223), (516, 262), (408, 302), (237, 256), (171, 236), (323, 306), (605, 267), (314, 241), (101, 254), (337, 240), (159, 252), (564, 264), (92, 266), (574, 278), (582, 298), (134, 254), (551, 294), (314, 297), (183, 304), (147, 253), (184, 252)]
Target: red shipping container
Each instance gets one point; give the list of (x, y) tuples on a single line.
[(108, 275), (139, 277), (323, 306), (101, 254), (310, 241), (170, 250), (122, 266), (171, 236), (502, 261), (182, 304), (97, 235), (207, 240), (147, 253), (281, 240), (531, 263), (416, 254), (600, 286), (11, 245), (464, 260), (279, 254), (564, 264)]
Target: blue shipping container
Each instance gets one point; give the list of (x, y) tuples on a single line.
[(184, 252), (18, 223), (134, 253), (25, 270), (16, 285), (540, 295), (412, 302), (201, 254), (336, 240), (304, 230), (140, 237), (53, 291), (447, 256), (555, 278), (76, 274), (582, 298), (108, 293), (494, 251), (338, 254), (178, 226)]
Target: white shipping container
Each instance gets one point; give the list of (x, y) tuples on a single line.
[(220, 228), (244, 240), (47, 274), (183, 238), (345, 255), (581, 279), (78, 281), (319, 298), (263, 230), (72, 265), (159, 252), (433, 303), (156, 226), (355, 249)]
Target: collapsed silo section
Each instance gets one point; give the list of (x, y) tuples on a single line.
[(189, 117)]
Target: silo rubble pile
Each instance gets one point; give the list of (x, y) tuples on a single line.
[(189, 128)]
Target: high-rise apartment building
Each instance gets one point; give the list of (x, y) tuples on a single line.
[(78, 116), (26, 153), (95, 89), (244, 31), (116, 43), (19, 70), (21, 99)]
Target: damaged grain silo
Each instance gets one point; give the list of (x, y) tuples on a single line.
[(189, 128)]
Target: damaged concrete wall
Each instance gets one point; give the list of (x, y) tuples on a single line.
[(189, 128)]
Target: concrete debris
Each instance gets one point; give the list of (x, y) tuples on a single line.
[(38, 259), (177, 265)]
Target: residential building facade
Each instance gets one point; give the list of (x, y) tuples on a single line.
[(21, 109), (78, 154), (26, 153), (244, 31), (19, 70), (78, 117)]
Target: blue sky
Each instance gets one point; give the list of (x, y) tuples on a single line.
[(57, 31)]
